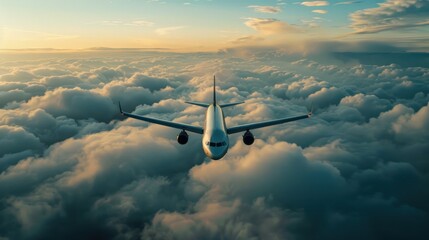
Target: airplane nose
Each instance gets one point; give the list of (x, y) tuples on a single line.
[(216, 157), (217, 153)]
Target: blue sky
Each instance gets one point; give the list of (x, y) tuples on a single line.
[(201, 25)]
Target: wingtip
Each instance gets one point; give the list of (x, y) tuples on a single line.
[(310, 112), (120, 108)]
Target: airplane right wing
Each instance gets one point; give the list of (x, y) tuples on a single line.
[(177, 125), (245, 127), (229, 104)]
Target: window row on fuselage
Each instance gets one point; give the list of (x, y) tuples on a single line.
[(216, 144)]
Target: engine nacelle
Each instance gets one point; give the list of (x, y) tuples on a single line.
[(248, 138), (183, 137)]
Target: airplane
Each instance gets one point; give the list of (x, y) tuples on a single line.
[(215, 133)]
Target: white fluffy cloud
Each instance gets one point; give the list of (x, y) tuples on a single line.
[(67, 154)]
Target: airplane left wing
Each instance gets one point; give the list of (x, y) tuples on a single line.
[(201, 104), (245, 127), (177, 125)]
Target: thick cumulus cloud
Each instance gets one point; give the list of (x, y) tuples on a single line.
[(73, 168)]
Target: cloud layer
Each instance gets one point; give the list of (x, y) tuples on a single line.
[(72, 167)]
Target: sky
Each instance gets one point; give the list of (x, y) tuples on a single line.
[(202, 25), (71, 167)]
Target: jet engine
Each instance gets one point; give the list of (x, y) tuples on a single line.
[(248, 138), (182, 138)]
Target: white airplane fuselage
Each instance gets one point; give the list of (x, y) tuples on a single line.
[(215, 138)]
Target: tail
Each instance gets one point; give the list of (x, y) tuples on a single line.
[(214, 90), (214, 97), (201, 104)]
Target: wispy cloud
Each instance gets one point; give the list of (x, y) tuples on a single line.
[(347, 2), (320, 11), (168, 30), (140, 23), (266, 9), (391, 15), (246, 39), (315, 3)]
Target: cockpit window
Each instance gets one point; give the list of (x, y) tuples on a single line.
[(216, 144)]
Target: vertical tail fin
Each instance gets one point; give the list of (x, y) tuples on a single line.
[(214, 90)]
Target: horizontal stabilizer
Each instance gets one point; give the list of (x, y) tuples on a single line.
[(201, 104), (230, 104)]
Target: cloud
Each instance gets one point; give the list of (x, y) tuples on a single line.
[(320, 11), (247, 39), (368, 105), (151, 83), (327, 96), (270, 26), (168, 30), (265, 9), (67, 154), (390, 15), (232, 219), (16, 139), (49, 72), (243, 175), (140, 23), (74, 103), (61, 81), (17, 76), (12, 96), (315, 3), (250, 216), (347, 2)]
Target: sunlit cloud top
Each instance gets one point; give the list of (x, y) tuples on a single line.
[(208, 25)]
